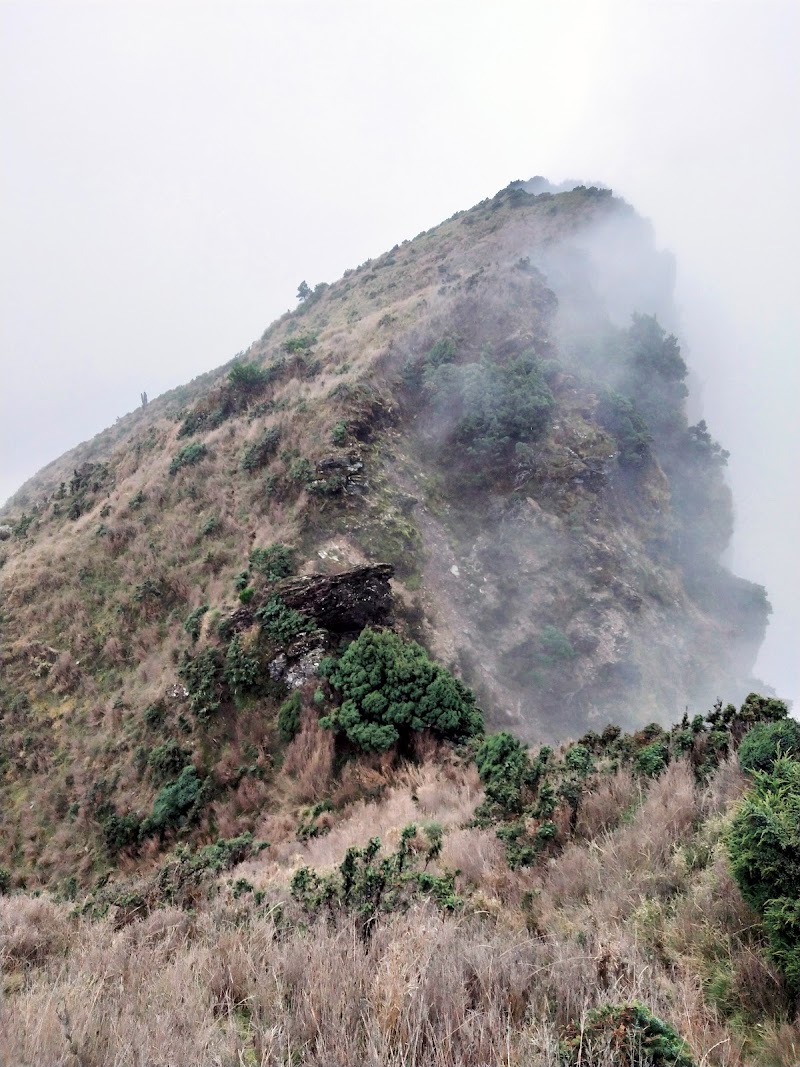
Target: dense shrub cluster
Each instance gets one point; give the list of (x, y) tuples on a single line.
[(390, 688), (203, 677), (620, 416), (527, 798), (262, 450), (656, 374), (281, 623), (186, 877), (302, 342), (245, 383), (767, 742), (490, 406), (367, 884), (764, 848), (194, 621), (274, 562), (180, 802)]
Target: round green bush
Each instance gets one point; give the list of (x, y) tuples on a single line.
[(652, 759), (627, 1035), (390, 688), (765, 742), (764, 848)]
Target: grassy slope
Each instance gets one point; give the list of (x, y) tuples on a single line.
[(639, 906), (93, 605), (635, 902)]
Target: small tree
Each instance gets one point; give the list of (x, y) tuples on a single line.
[(766, 742), (391, 689), (764, 848)]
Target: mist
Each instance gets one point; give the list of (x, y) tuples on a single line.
[(173, 171)]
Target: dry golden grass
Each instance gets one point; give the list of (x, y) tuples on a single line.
[(308, 761), (622, 916)]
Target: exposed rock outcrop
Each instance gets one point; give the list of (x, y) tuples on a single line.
[(342, 603)]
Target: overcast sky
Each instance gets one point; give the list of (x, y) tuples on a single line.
[(172, 170)]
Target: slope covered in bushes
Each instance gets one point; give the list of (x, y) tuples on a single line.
[(401, 931)]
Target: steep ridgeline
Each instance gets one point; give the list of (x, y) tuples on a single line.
[(495, 410)]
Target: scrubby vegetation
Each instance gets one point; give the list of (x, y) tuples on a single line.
[(764, 846), (390, 688), (177, 689), (631, 945)]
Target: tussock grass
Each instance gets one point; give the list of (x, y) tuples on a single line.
[(642, 911)]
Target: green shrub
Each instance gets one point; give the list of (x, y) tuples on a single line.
[(301, 343), (367, 885), (764, 849), (185, 878), (766, 742), (506, 771), (309, 827), (301, 471), (242, 667), (782, 923), (578, 759), (203, 676), (444, 351), (764, 838), (246, 594), (554, 646), (289, 717), (655, 376), (652, 759), (339, 433), (194, 622), (390, 689), (259, 453), (189, 456), (627, 1035), (281, 623), (247, 378), (618, 414), (491, 405), (5, 880), (154, 715), (177, 804), (119, 831), (167, 759), (273, 562), (193, 421), (211, 526), (22, 525)]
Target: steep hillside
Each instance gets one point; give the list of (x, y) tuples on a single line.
[(579, 909), (475, 413)]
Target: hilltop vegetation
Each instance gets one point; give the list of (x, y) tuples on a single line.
[(414, 928), (274, 649)]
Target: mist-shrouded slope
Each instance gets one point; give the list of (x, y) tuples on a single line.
[(491, 408)]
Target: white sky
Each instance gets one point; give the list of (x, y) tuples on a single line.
[(170, 171)]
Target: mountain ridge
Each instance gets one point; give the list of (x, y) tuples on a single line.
[(556, 541)]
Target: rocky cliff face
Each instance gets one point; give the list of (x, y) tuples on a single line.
[(475, 409)]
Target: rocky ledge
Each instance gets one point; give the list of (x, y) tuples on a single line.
[(342, 603)]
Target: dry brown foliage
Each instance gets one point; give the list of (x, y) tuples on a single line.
[(309, 759), (626, 915)]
